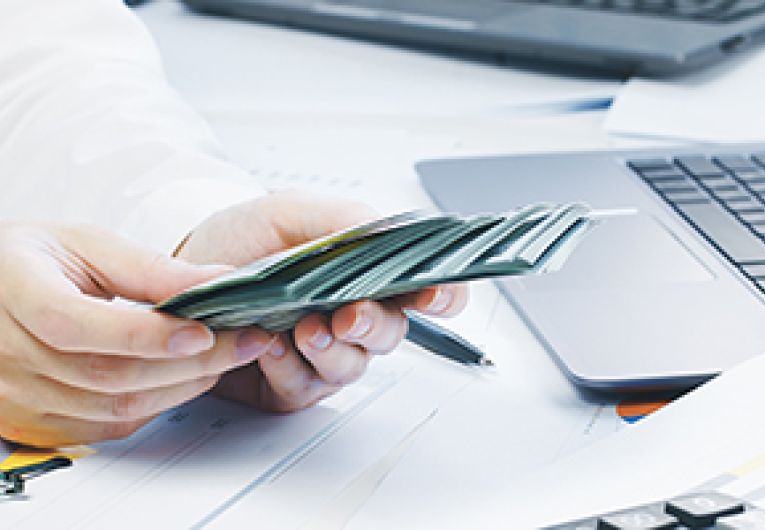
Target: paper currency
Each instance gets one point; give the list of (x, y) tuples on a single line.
[(392, 256)]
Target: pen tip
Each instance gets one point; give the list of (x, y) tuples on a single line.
[(487, 362)]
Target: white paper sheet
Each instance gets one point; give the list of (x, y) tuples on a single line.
[(723, 103), (713, 438), (523, 416)]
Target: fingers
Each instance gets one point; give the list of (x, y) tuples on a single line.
[(441, 300), (58, 431), (336, 362), (374, 326), (57, 399), (129, 270), (101, 372), (289, 382), (70, 321)]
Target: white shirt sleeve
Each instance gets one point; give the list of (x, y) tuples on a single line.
[(90, 130)]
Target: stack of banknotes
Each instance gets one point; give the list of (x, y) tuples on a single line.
[(388, 257)]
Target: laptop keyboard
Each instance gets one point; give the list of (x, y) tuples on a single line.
[(704, 10), (722, 197), (709, 510)]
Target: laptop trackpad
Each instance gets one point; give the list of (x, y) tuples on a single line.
[(630, 252)]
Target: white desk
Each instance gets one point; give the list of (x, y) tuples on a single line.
[(340, 116), (348, 117)]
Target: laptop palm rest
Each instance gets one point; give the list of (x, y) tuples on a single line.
[(641, 303), (629, 253)]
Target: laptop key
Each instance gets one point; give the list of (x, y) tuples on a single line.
[(686, 197), (651, 164), (756, 271), (663, 175), (757, 187), (729, 196), (744, 207), (736, 162), (675, 187), (701, 510), (751, 177), (752, 217), (699, 166), (723, 230), (722, 183)]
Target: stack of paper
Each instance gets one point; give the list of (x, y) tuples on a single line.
[(395, 255), (722, 103)]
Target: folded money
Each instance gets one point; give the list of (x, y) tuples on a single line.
[(388, 257)]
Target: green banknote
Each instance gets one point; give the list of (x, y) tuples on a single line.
[(388, 257)]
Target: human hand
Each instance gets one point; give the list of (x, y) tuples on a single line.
[(322, 353), (77, 368)]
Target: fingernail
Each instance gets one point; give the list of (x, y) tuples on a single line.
[(250, 344), (277, 348), (441, 300), (320, 340), (361, 326), (190, 340)]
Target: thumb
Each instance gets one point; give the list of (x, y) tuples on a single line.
[(126, 269)]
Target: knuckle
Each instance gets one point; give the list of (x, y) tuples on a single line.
[(128, 406), (209, 363), (107, 373), (133, 338), (351, 373), (294, 390), (119, 430)]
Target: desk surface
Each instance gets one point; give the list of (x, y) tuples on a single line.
[(300, 109)]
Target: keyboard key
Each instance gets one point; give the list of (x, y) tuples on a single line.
[(637, 519), (757, 187), (700, 510), (752, 217), (722, 184), (737, 195), (674, 186), (699, 166), (749, 205), (651, 164), (749, 520), (661, 175), (755, 271), (751, 177), (707, 179), (758, 229), (692, 197), (719, 226), (735, 162)]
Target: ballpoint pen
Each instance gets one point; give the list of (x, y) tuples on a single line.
[(443, 342)]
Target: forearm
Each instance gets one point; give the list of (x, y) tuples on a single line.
[(90, 130)]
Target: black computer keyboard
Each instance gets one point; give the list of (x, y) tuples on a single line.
[(704, 10), (722, 197), (695, 510)]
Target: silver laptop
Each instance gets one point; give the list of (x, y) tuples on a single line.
[(648, 36), (666, 297)]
